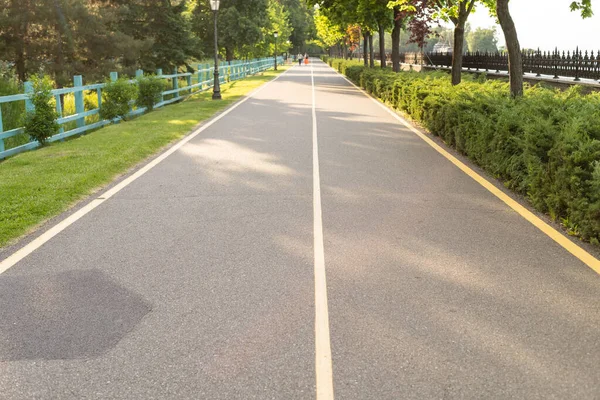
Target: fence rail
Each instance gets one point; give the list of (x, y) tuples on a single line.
[(575, 64), (198, 81)]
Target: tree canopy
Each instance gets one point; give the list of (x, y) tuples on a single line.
[(93, 37)]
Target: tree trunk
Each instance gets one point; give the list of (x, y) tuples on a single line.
[(382, 45), (457, 53), (396, 40), (228, 53), (20, 64), (515, 62), (371, 51), (365, 53)]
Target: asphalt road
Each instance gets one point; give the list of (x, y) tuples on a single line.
[(197, 280)]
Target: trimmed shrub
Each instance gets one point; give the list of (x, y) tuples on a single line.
[(149, 91), (545, 145), (41, 124), (117, 97)]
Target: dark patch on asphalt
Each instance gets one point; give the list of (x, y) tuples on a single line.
[(70, 315)]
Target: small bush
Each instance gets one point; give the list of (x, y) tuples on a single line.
[(545, 145), (41, 124), (150, 89), (117, 97)]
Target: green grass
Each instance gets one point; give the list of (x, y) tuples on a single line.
[(40, 184)]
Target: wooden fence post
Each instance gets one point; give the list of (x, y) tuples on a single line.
[(59, 111), (200, 77), (175, 81), (159, 74), (28, 91), (79, 106), (208, 74), (189, 82), (1, 130)]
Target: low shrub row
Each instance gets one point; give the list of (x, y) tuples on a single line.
[(545, 145), (118, 97), (340, 64)]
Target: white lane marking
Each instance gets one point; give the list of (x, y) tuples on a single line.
[(323, 367), (20, 254)]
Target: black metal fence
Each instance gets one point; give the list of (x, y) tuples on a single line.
[(577, 64)]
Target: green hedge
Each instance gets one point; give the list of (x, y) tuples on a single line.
[(545, 145)]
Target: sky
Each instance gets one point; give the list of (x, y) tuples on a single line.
[(547, 24)]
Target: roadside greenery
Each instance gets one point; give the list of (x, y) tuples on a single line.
[(545, 145), (40, 124), (149, 91), (38, 185), (117, 98), (12, 112)]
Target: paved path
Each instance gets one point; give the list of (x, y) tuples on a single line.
[(198, 279)]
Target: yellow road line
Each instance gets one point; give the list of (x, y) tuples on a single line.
[(323, 364), (568, 245)]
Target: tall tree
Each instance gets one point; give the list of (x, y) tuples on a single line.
[(398, 20), (67, 37), (515, 60), (302, 21), (278, 20), (240, 25), (418, 15), (329, 34), (483, 40), (457, 11)]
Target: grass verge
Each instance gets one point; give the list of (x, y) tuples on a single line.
[(40, 184)]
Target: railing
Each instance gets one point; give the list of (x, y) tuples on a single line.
[(198, 81), (577, 64)]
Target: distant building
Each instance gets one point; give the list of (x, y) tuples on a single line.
[(442, 47)]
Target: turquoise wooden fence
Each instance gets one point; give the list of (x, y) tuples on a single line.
[(198, 81)]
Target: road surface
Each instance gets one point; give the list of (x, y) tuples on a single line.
[(257, 263)]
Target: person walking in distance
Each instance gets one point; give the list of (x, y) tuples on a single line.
[(300, 59), (306, 59)]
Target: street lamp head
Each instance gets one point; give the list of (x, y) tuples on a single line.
[(214, 5), (275, 34)]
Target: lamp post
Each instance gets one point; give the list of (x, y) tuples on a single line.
[(275, 34), (214, 6)]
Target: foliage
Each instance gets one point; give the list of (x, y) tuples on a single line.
[(117, 97), (12, 113), (302, 23), (421, 14), (328, 33), (279, 21), (64, 38), (149, 91), (482, 40), (40, 124), (342, 65), (583, 6), (545, 145)]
